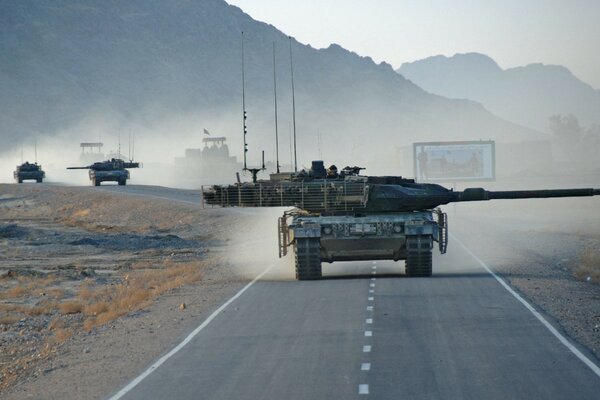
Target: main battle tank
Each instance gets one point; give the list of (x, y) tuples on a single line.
[(27, 171), (346, 216), (113, 170)]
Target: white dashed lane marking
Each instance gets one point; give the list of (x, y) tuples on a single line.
[(370, 298), (368, 333), (366, 349), (363, 389), (369, 320), (369, 308)]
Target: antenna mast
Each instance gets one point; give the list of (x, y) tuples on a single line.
[(35, 149), (293, 105), (244, 105), (276, 127)]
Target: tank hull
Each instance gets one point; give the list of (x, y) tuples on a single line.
[(119, 176), (359, 238), (21, 176)]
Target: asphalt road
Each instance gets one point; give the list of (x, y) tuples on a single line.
[(368, 332)]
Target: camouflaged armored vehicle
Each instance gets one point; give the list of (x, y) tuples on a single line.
[(29, 172), (346, 216), (113, 170)]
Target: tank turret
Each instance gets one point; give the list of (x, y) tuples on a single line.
[(318, 191), (114, 170), (345, 216)]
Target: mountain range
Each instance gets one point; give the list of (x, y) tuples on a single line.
[(169, 68), (527, 95)]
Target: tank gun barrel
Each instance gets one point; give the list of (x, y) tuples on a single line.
[(479, 194), (88, 167), (131, 165)]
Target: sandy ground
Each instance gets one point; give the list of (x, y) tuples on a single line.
[(94, 285), (65, 252)]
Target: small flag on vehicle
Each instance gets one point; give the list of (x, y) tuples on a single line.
[(206, 132)]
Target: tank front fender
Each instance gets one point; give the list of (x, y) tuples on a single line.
[(306, 230), (420, 227)]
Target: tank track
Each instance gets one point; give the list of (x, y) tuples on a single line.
[(418, 256), (308, 258)]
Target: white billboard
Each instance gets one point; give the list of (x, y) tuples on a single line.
[(454, 161)]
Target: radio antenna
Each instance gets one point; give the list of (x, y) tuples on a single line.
[(293, 105), (276, 127), (244, 115), (129, 146), (35, 149)]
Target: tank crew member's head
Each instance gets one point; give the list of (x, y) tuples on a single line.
[(332, 171)]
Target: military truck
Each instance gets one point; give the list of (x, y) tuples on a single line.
[(29, 172), (347, 217), (113, 170)]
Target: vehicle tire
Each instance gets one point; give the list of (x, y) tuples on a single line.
[(122, 182), (419, 255), (308, 258)]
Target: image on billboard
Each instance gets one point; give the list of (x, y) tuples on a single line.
[(454, 161)]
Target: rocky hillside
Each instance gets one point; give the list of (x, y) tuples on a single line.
[(527, 95)]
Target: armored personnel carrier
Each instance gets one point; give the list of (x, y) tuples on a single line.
[(346, 216), (29, 172), (113, 170)]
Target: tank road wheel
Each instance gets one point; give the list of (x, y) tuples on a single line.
[(308, 258), (418, 255), (20, 180), (122, 182), (39, 180)]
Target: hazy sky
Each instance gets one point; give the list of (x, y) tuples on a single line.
[(512, 32)]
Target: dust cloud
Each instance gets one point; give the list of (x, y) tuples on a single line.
[(252, 247)]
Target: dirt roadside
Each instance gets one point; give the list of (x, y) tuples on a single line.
[(94, 286)]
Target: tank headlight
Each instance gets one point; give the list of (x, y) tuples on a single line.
[(327, 230), (397, 228)]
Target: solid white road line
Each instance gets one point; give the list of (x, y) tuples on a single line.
[(365, 367), (363, 389), (539, 316), (185, 341)]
